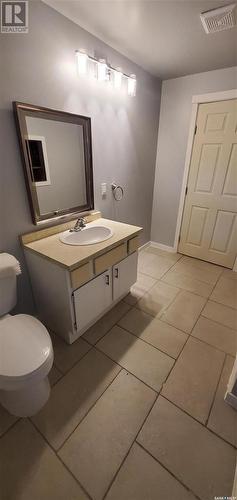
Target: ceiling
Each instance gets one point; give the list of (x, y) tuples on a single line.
[(165, 37)]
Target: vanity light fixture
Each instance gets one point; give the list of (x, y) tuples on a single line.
[(104, 72), (132, 83), (82, 62), (117, 75)]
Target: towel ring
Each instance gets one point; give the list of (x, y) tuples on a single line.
[(117, 191)]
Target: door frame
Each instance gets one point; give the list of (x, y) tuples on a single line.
[(196, 100)]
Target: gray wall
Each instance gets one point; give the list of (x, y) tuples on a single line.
[(39, 68), (65, 154), (175, 113)]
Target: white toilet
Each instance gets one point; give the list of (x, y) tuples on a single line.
[(26, 352)]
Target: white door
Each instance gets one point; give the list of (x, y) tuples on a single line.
[(124, 276), (92, 299), (209, 225)]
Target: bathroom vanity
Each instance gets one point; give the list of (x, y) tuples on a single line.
[(73, 285)]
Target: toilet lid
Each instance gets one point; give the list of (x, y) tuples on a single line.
[(24, 345)]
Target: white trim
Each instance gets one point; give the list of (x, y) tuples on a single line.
[(166, 248), (186, 172), (142, 247), (196, 100), (235, 266), (215, 96)]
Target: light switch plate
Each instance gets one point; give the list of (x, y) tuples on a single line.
[(103, 189)]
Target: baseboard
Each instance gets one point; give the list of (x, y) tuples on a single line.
[(142, 247), (235, 266), (166, 248)]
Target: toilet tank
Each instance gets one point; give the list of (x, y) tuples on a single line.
[(8, 293)]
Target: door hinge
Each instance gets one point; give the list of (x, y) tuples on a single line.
[(195, 131), (186, 191), (179, 238)]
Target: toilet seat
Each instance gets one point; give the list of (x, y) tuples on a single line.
[(26, 351)]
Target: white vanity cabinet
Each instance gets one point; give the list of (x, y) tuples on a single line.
[(97, 296), (69, 301)]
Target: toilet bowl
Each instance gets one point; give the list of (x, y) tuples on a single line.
[(26, 352), (26, 357)]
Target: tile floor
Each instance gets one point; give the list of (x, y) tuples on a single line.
[(136, 410)]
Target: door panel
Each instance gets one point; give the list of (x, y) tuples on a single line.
[(124, 276), (209, 225), (92, 299)]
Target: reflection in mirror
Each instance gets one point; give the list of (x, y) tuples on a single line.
[(56, 149)]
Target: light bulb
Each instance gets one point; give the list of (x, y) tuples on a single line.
[(132, 83), (102, 70), (118, 78), (82, 62)]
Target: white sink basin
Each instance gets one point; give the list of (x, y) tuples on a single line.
[(87, 236)]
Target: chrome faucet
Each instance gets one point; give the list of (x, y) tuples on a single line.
[(80, 223)]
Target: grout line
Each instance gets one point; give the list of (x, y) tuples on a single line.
[(215, 392), (127, 370), (134, 440), (220, 324), (145, 341), (110, 328), (74, 364), (59, 458), (198, 421), (211, 345), (188, 337), (11, 426), (168, 470), (89, 409)]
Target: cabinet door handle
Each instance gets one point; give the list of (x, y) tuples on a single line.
[(107, 279), (116, 273)]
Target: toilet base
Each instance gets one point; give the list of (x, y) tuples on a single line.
[(26, 402)]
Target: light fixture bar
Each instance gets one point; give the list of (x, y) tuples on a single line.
[(104, 70)]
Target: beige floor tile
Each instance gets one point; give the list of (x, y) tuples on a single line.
[(194, 379), (158, 298), (202, 265), (74, 395), (65, 355), (223, 418), (184, 311), (143, 284), (201, 460), (182, 280), (172, 256), (225, 292), (31, 470), (202, 271), (142, 478), (141, 359), (216, 335), (157, 333), (54, 375), (106, 322), (96, 449), (227, 273), (6, 420), (220, 313), (153, 265)]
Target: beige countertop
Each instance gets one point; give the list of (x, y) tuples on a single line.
[(72, 257)]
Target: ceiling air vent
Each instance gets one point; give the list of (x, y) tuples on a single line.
[(219, 19)]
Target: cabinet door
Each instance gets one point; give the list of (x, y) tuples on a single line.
[(92, 299), (124, 276)]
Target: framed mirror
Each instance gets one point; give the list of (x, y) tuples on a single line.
[(56, 152)]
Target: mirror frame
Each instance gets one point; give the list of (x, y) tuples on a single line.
[(21, 111)]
